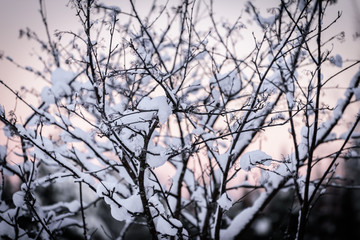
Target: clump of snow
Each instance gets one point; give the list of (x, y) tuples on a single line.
[(165, 227), (18, 198), (156, 156), (353, 135), (3, 151), (216, 95), (2, 111), (133, 141), (198, 195), (337, 60), (154, 202), (119, 213), (267, 21), (7, 230), (225, 201), (132, 204), (311, 188), (302, 4), (159, 104), (250, 159), (60, 82), (357, 93), (290, 99), (73, 206), (198, 131), (231, 84)]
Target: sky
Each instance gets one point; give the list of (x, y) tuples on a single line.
[(19, 14)]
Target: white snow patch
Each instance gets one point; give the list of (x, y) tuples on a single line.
[(154, 202), (156, 156), (231, 84), (60, 80), (159, 104), (357, 93), (337, 60), (133, 203), (165, 227), (47, 95), (119, 213), (73, 206), (250, 159), (18, 198), (225, 201)]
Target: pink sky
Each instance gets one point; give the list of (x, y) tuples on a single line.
[(18, 14), (25, 13)]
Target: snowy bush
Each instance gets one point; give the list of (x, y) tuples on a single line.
[(155, 122)]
